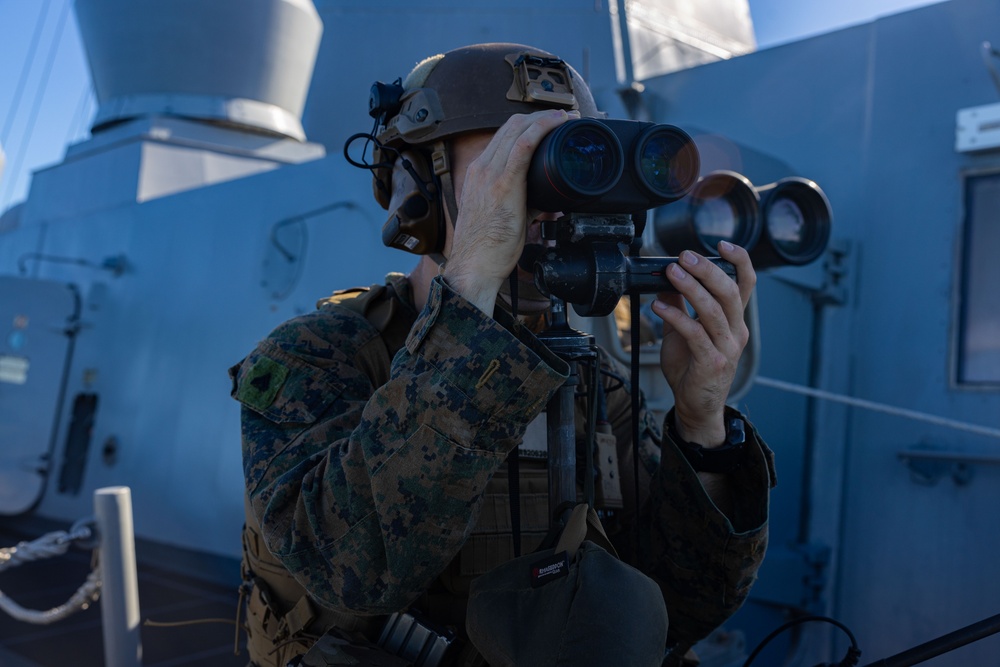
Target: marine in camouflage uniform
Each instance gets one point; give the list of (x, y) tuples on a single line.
[(375, 431), (370, 475)]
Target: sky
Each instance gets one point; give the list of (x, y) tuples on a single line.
[(46, 102)]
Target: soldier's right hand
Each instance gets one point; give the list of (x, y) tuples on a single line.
[(491, 189)]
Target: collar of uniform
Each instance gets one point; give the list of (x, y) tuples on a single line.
[(400, 284), (441, 293)]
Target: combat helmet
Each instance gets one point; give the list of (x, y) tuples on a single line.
[(467, 89)]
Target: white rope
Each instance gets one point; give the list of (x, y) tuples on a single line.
[(879, 407), (47, 546), (88, 593)]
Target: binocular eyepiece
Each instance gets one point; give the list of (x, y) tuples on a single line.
[(785, 223), (611, 166)]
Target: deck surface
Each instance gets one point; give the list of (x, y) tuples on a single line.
[(164, 596)]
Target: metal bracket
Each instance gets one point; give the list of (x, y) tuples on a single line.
[(540, 79), (834, 290), (795, 577), (977, 128), (826, 280), (928, 466), (816, 558)]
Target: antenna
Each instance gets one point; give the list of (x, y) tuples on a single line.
[(990, 56)]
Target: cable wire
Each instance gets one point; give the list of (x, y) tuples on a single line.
[(853, 654), (43, 85), (79, 122), (878, 407), (25, 71)]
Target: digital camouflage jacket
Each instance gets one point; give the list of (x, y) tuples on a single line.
[(367, 476)]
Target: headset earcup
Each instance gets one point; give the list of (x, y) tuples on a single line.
[(415, 223)]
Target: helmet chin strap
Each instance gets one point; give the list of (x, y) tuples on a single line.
[(441, 166)]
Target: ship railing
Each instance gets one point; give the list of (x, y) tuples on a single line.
[(113, 578)]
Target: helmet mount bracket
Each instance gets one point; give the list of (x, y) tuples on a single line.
[(541, 80)]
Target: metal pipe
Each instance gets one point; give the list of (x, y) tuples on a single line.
[(120, 589), (943, 644), (624, 43), (948, 456)]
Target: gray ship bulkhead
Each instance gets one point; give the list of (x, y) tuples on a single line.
[(204, 210)]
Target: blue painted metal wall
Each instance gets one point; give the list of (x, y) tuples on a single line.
[(869, 113)]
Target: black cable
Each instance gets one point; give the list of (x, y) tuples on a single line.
[(514, 457), (602, 401), (363, 164), (853, 653), (593, 407), (634, 305), (369, 138), (639, 221), (622, 380)]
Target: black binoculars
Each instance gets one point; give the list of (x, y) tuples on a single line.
[(785, 223), (621, 167), (604, 175), (611, 166)]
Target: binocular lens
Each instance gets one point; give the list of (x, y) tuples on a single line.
[(787, 225), (796, 223), (716, 220), (577, 162), (587, 160), (722, 206), (666, 162)]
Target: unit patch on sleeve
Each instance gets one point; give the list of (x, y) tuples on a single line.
[(262, 383)]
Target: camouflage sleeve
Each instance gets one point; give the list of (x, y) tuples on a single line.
[(704, 561), (366, 493)]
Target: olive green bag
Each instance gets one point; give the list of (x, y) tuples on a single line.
[(574, 605)]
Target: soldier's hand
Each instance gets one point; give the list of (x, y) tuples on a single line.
[(700, 354), (492, 208)]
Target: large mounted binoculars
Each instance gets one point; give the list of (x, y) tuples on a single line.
[(604, 175), (785, 223)]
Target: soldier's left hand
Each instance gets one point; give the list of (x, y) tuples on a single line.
[(699, 355)]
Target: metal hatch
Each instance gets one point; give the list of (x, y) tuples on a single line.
[(38, 323)]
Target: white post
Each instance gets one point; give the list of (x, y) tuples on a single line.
[(119, 587)]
